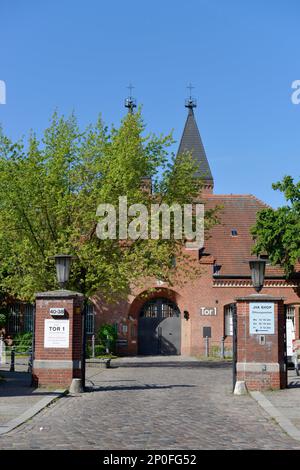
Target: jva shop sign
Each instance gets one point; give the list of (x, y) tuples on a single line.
[(261, 318), (56, 334)]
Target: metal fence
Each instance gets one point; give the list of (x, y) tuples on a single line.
[(218, 349), (29, 311), (14, 318), (20, 318), (11, 357), (89, 318)]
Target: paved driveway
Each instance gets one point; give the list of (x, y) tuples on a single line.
[(157, 405)]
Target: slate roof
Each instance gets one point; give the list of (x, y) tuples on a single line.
[(233, 252), (191, 142)]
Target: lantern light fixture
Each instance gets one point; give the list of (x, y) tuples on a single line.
[(63, 266), (258, 267)]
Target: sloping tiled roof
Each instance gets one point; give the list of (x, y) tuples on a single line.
[(191, 142), (233, 252)]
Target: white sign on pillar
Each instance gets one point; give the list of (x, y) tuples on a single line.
[(261, 318), (56, 334)]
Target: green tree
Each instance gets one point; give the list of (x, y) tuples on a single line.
[(107, 336), (49, 193), (277, 231)]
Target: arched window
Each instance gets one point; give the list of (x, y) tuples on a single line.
[(228, 319), (290, 313)]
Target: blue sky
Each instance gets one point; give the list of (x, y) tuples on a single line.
[(241, 56)]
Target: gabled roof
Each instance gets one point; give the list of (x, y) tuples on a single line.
[(191, 142), (232, 251)]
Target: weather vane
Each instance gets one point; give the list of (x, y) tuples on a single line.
[(130, 88), (130, 102), (190, 87), (190, 102)]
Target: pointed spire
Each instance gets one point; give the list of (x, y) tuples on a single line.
[(191, 142)]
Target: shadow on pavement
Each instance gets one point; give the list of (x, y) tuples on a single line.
[(17, 384), (189, 365), (112, 388), (294, 383)]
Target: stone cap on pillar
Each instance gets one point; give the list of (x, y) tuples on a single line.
[(258, 297), (59, 294)]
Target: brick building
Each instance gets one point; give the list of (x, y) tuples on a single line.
[(175, 320)]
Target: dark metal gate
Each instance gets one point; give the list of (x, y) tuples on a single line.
[(159, 329)]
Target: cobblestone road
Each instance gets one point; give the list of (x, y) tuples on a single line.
[(168, 406)]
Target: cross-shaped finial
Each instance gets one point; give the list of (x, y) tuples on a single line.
[(130, 102), (190, 87), (130, 88), (190, 102)]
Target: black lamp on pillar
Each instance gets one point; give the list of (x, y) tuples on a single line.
[(63, 266), (257, 267)]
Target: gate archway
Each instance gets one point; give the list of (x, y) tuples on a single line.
[(159, 328)]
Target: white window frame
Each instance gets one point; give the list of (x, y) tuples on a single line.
[(228, 320)]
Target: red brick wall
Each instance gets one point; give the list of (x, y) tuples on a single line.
[(191, 296)]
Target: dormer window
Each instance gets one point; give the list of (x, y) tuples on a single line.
[(234, 233), (216, 268)]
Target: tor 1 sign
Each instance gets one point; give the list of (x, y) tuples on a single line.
[(56, 334)]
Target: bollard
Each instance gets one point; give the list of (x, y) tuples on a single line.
[(206, 346), (12, 359), (2, 351), (107, 346), (76, 387), (222, 349), (93, 346), (30, 361), (240, 388)]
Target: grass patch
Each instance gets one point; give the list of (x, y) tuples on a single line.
[(102, 356), (18, 356), (213, 359), (105, 356)]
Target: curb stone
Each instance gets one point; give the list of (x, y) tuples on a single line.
[(282, 420), (32, 411)]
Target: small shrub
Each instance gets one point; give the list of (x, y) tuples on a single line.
[(3, 320), (3, 316), (23, 342), (99, 350), (215, 351), (107, 336), (88, 351)]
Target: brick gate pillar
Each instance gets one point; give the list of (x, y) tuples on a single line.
[(261, 362), (58, 338)]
